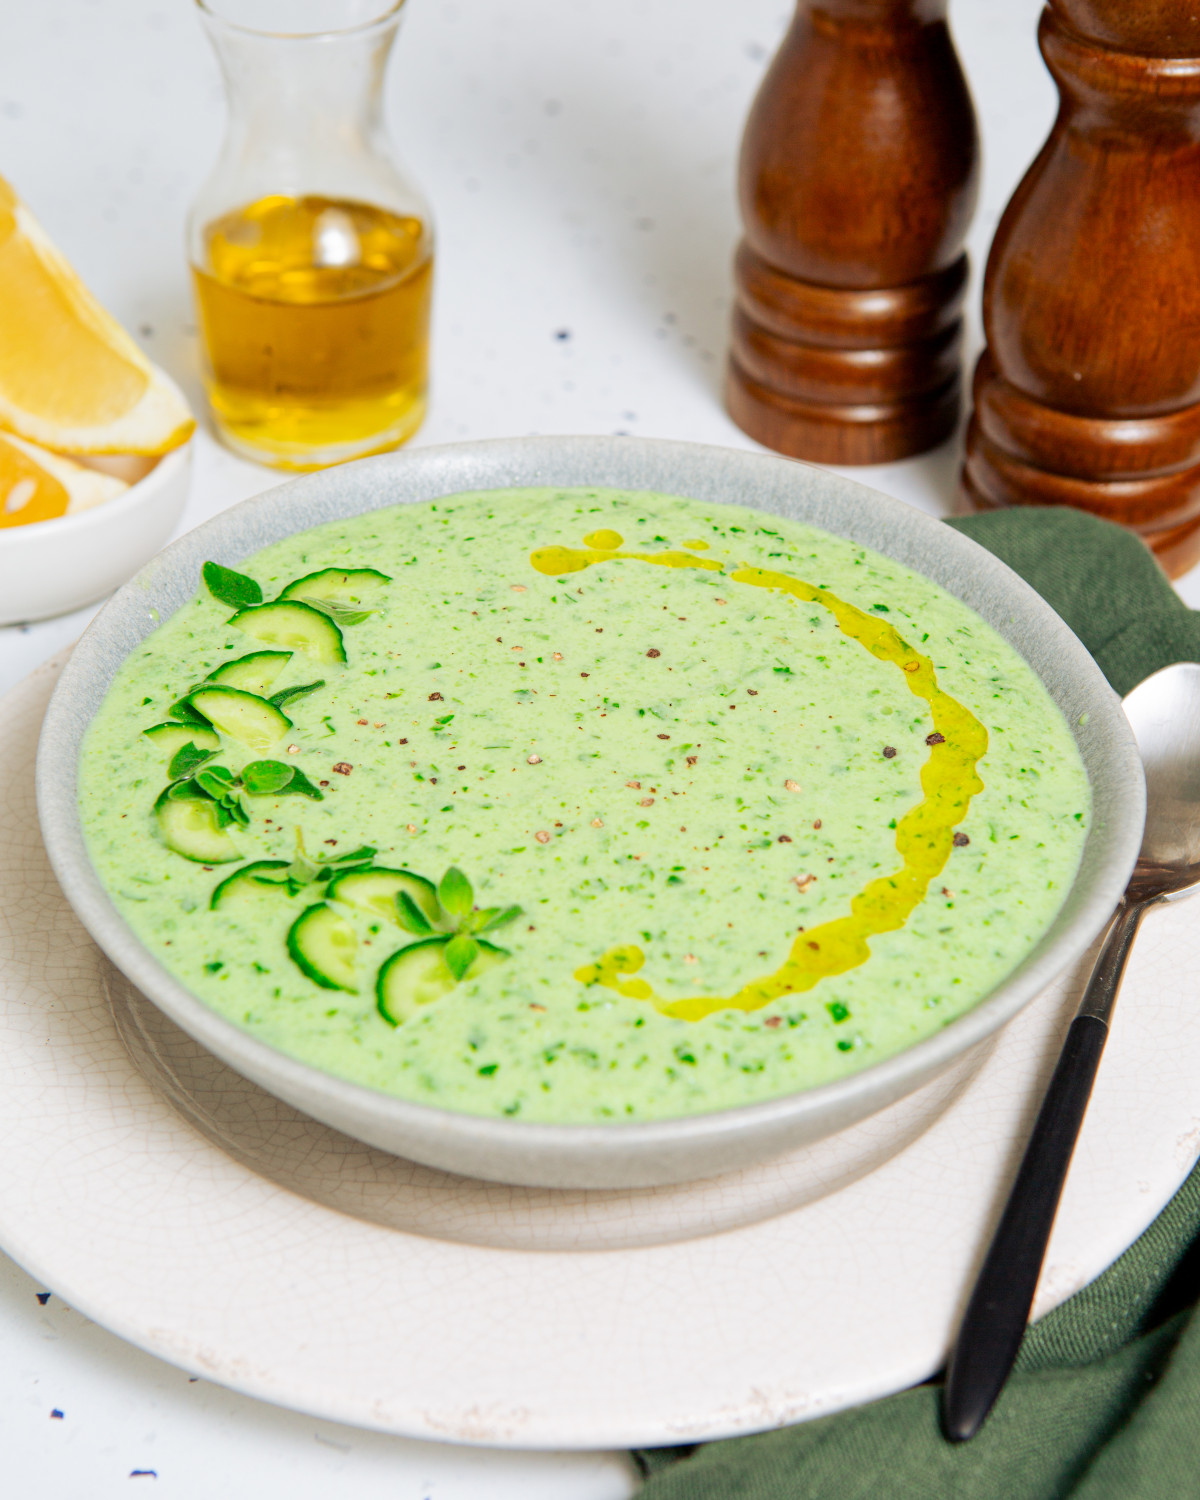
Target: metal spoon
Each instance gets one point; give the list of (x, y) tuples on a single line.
[(1164, 712)]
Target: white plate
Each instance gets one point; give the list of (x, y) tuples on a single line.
[(138, 1219)]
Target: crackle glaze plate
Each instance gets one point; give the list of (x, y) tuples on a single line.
[(209, 1223)]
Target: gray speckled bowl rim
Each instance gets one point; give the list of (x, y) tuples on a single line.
[(710, 474)]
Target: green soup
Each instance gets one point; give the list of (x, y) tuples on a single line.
[(620, 806)]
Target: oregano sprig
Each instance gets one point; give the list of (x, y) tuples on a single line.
[(193, 777), (457, 911), (304, 869), (219, 783)]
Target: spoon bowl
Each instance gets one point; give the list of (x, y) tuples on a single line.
[(1164, 714)]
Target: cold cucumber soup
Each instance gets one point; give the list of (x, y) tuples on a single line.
[(581, 805)]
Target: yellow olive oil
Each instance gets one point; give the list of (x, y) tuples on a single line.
[(314, 320), (925, 835)]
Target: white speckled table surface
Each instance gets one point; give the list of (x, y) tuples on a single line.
[(580, 161)]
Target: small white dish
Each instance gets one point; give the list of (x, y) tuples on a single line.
[(306, 1269), (50, 567)]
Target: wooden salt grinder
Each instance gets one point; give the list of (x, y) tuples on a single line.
[(1088, 393), (857, 181)]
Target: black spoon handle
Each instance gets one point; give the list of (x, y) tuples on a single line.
[(997, 1313)]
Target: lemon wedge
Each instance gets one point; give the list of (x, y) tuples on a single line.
[(40, 486), (71, 378)]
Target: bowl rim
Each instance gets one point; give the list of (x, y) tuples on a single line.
[(138, 493), (1114, 834)]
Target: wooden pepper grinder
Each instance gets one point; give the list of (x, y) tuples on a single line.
[(858, 179), (1088, 393)]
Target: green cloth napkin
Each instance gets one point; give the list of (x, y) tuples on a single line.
[(1104, 1403)]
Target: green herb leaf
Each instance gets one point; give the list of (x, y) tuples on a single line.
[(338, 613), (410, 916), (455, 893), (187, 759), (286, 695), (300, 786), (262, 778), (185, 713), (216, 781), (495, 916), (362, 855), (460, 953), (231, 588), (302, 870), (188, 791)]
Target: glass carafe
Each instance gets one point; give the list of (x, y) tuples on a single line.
[(311, 254)]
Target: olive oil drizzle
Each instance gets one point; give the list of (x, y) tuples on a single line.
[(924, 835)]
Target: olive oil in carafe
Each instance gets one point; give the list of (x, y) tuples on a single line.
[(314, 318)]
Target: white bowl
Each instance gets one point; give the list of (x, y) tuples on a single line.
[(659, 1151), (50, 567)]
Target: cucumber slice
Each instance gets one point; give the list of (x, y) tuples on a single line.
[(243, 716), (172, 737), (375, 891), (417, 975), (299, 627), (189, 827), (254, 673), (343, 586), (323, 946), (244, 888)]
